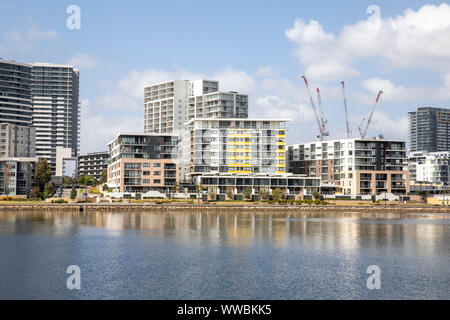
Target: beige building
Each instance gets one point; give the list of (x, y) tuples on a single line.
[(143, 175), (374, 182)]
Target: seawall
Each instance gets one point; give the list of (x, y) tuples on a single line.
[(216, 208)]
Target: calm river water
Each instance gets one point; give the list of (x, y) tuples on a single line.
[(224, 256)]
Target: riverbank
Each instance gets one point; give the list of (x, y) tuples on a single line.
[(220, 207)]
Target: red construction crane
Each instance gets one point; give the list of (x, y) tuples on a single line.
[(346, 111), (322, 132), (371, 114)]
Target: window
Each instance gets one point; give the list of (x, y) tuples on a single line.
[(146, 165), (147, 181), (157, 165), (157, 181), (157, 173), (146, 173)]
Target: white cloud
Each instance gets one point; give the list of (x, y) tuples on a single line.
[(384, 124), (266, 71), (84, 61), (24, 40), (235, 80), (413, 39), (399, 93)]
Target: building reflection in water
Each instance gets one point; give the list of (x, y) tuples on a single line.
[(348, 232)]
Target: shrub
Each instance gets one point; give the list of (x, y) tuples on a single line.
[(49, 190), (59, 201), (35, 193), (94, 191), (247, 194), (73, 194)]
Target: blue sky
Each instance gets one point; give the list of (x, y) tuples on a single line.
[(256, 47)]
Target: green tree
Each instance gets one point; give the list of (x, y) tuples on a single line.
[(42, 175), (230, 193), (316, 195), (103, 177), (35, 193), (264, 195), (277, 195), (212, 195), (247, 193), (73, 194), (87, 181), (49, 190), (69, 180)]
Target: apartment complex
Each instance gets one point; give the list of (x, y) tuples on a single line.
[(140, 163), (168, 105), (55, 110), (430, 167), (429, 130), (239, 146), (355, 166), (92, 164)]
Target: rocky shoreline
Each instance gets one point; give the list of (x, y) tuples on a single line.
[(215, 208)]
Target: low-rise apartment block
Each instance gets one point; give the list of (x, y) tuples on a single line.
[(140, 163), (236, 146), (354, 166), (430, 167), (92, 164), (294, 186), (16, 175)]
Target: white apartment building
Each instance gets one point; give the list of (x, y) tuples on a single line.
[(430, 167), (236, 146), (169, 105)]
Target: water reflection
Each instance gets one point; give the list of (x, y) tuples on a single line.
[(224, 256), (424, 234)]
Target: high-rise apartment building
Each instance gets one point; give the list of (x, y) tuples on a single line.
[(238, 146), (429, 129), (357, 166), (55, 91), (15, 93), (169, 105)]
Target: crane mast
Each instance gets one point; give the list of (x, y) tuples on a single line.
[(346, 111), (323, 120), (371, 114), (322, 133)]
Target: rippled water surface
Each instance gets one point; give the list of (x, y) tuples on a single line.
[(224, 256)]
